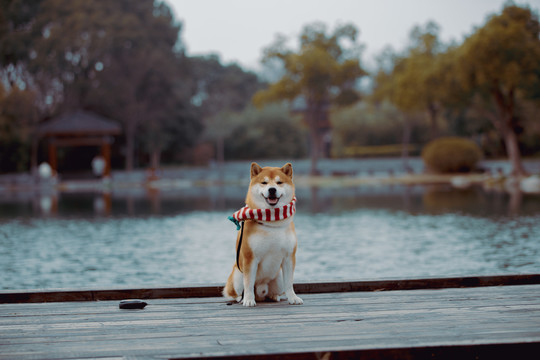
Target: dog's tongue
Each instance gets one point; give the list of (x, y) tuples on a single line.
[(272, 201)]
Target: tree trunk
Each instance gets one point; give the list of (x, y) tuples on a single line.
[(131, 123), (132, 119), (315, 149), (406, 139), (432, 117), (155, 157), (34, 155), (220, 150), (317, 118), (505, 124), (130, 147), (314, 136), (512, 150)]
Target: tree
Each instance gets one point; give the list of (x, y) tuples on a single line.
[(18, 115), (267, 133), (323, 72), (366, 125), (500, 62), (414, 81), (124, 45), (219, 90), (120, 58), (20, 108), (149, 92), (16, 19)]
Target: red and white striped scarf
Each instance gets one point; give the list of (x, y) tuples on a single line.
[(276, 214)]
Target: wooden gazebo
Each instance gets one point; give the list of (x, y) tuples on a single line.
[(80, 128)]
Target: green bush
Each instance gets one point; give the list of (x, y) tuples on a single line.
[(451, 154), (271, 139), (266, 133)]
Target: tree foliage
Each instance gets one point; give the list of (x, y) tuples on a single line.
[(500, 62), (323, 71), (414, 82), (221, 87), (488, 76), (17, 119), (121, 58), (368, 125), (124, 60), (269, 132), (219, 92)]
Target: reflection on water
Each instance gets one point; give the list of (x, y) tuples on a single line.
[(173, 238), (150, 202)]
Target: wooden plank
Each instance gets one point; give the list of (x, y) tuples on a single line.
[(413, 284), (107, 294), (219, 314), (200, 306), (453, 322), (14, 296), (160, 306)]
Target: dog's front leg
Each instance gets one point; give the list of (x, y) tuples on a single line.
[(249, 283), (288, 274)]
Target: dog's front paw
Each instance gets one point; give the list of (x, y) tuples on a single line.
[(295, 300), (249, 301)]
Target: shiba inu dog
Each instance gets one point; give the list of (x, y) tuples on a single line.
[(266, 243)]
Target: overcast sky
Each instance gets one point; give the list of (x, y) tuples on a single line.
[(238, 30)]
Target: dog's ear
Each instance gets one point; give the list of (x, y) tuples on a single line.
[(255, 169), (287, 169)]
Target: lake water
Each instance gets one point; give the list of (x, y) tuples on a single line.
[(139, 238)]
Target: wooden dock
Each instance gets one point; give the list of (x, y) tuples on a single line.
[(465, 318)]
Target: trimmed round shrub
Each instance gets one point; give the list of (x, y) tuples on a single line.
[(451, 155)]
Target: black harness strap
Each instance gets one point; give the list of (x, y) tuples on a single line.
[(239, 247)]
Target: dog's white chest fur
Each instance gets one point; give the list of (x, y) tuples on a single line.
[(270, 246)]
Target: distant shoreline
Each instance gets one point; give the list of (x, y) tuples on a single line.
[(334, 173)]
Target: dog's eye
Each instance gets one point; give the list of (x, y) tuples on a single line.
[(264, 183), (280, 182)]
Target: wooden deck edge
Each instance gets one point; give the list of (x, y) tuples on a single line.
[(473, 351), (416, 284), (34, 296)]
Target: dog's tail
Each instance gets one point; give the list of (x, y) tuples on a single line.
[(229, 294), (234, 287)]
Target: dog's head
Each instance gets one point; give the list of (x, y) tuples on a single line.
[(270, 186)]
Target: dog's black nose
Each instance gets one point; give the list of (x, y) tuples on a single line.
[(272, 192)]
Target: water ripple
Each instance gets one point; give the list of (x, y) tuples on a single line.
[(199, 247)]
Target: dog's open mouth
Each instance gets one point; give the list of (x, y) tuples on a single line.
[(272, 200)]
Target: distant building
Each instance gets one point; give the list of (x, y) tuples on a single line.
[(80, 128)]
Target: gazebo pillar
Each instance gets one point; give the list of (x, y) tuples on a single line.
[(52, 157), (106, 153)]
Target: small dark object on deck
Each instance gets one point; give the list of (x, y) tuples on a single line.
[(132, 304)]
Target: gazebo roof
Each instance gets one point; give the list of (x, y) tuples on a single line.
[(79, 123)]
